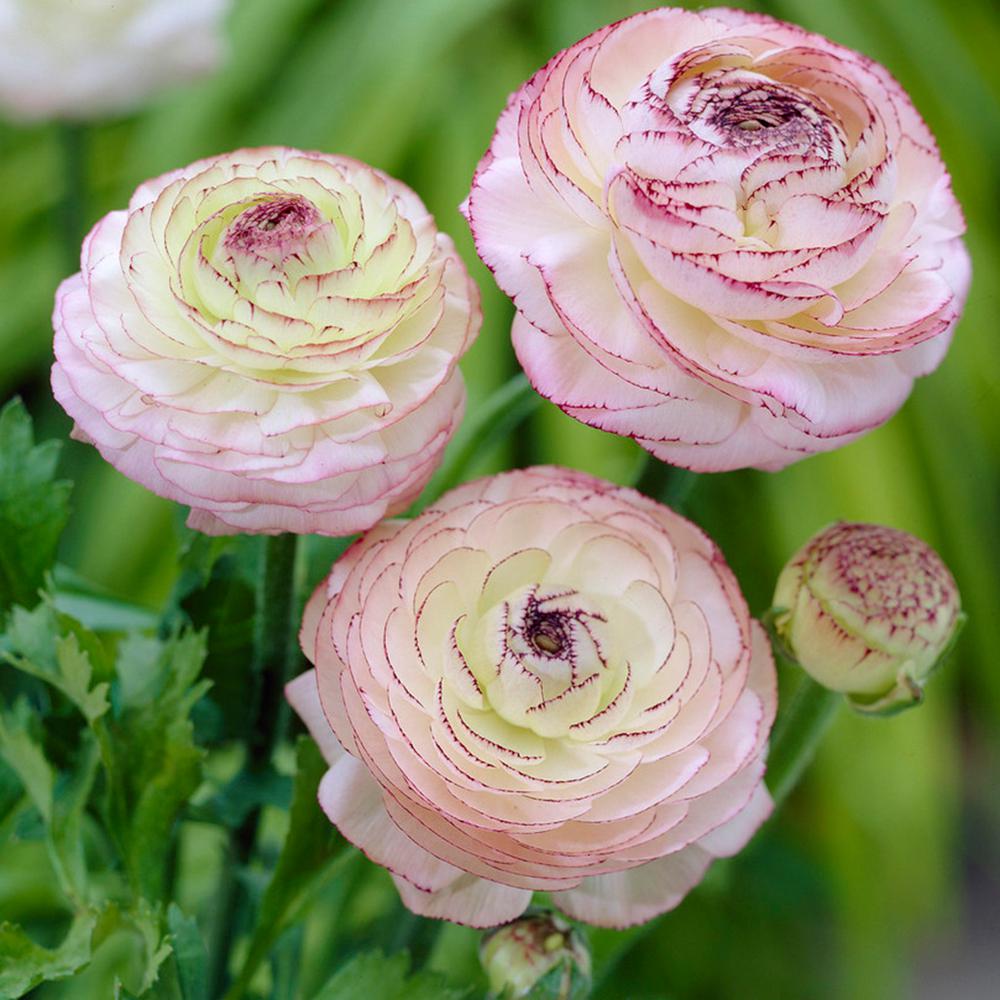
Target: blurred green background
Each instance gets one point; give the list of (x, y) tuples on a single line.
[(881, 879)]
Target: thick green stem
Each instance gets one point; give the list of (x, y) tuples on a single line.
[(797, 735), (72, 137), (274, 659), (274, 650)]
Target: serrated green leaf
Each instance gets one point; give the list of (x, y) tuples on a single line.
[(155, 764), (373, 976), (190, 954), (34, 507), (24, 964), (50, 647), (142, 924)]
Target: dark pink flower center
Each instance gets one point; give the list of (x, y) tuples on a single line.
[(274, 229)]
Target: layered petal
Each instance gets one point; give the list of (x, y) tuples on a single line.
[(271, 338), (726, 237), (543, 682)]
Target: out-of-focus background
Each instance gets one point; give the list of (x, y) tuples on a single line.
[(881, 878)]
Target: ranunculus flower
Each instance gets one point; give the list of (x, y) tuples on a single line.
[(725, 236), (271, 338), (869, 611), (86, 58), (543, 682)]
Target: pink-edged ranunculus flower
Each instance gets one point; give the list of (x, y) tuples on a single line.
[(83, 59), (543, 682), (726, 237), (269, 337)]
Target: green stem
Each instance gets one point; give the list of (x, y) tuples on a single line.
[(274, 659), (669, 484), (797, 735), (503, 412), (72, 138), (274, 656)]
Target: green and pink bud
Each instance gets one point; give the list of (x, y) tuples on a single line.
[(538, 956), (869, 611)]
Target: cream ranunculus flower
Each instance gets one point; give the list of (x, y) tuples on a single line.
[(726, 237), (87, 58), (269, 337), (543, 682), (869, 611)]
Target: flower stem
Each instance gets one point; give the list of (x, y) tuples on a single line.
[(269, 715), (797, 735), (669, 484), (73, 139), (274, 654)]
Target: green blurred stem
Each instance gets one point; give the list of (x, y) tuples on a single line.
[(501, 414), (73, 140), (274, 660), (274, 652), (669, 484), (797, 735)]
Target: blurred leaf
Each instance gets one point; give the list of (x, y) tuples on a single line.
[(309, 846), (34, 507), (72, 793), (60, 660), (60, 801), (96, 608), (142, 922), (25, 757), (24, 964), (190, 954), (247, 792), (155, 764), (375, 977)]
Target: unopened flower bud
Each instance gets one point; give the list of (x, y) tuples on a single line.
[(539, 956), (869, 611)]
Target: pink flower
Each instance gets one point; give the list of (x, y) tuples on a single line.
[(544, 682), (269, 337), (725, 236)]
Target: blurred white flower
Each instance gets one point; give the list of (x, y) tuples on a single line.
[(82, 59)]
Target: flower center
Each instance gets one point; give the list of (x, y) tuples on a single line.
[(744, 110), (273, 229), (550, 661)]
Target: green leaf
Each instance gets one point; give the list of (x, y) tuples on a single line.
[(72, 793), (24, 964), (54, 649), (247, 792), (374, 977), (34, 507), (25, 757), (97, 608), (155, 764), (190, 954), (309, 847), (60, 801), (142, 924)]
